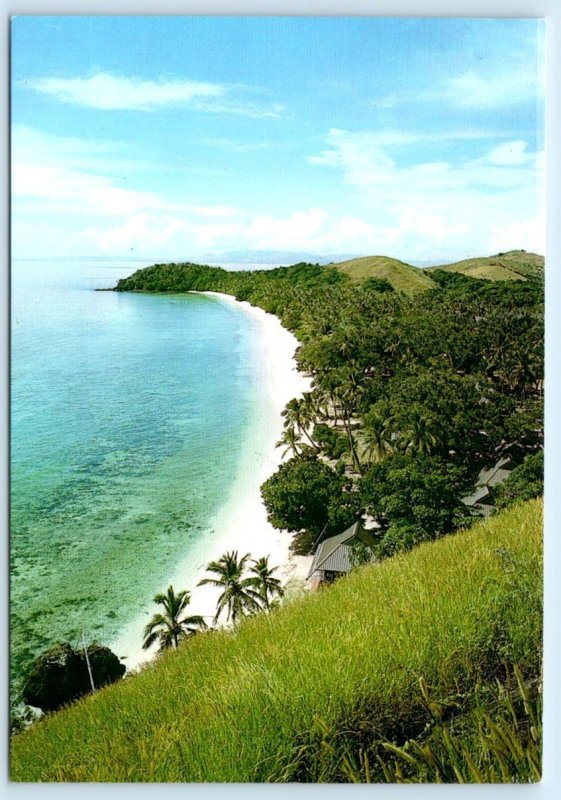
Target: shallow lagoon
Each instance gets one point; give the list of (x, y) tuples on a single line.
[(128, 417)]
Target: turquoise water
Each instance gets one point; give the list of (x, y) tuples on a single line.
[(128, 415)]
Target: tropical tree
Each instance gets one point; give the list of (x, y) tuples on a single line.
[(239, 597), (292, 414), (266, 584), (301, 495), (419, 434), (321, 400), (348, 396), (300, 414), (523, 369), (376, 437), (309, 412), (525, 482), (289, 440), (414, 498), (169, 627), (328, 383)]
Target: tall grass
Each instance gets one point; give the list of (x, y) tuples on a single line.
[(498, 740), (250, 705)]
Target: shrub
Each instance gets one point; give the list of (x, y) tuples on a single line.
[(524, 483), (60, 675)]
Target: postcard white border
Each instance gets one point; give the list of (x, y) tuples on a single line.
[(551, 10)]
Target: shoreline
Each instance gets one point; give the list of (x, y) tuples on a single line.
[(241, 522)]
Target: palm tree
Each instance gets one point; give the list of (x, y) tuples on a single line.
[(376, 437), (266, 584), (523, 371), (321, 399), (290, 441), (328, 384), (170, 627), (420, 436), (347, 397), (301, 413), (238, 597), (309, 414)]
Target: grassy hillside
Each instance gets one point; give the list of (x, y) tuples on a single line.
[(403, 277), (516, 265), (343, 663)]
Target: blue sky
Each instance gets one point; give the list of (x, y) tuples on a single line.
[(171, 137)]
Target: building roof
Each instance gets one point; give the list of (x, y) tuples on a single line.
[(479, 494), (337, 561), (332, 555), (496, 474)]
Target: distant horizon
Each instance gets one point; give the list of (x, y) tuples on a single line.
[(249, 258)]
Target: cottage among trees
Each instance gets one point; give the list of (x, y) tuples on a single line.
[(333, 555)]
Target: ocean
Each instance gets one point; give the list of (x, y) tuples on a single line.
[(129, 415)]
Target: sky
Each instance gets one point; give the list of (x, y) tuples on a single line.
[(168, 138)]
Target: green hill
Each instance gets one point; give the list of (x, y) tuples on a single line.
[(516, 265), (304, 693), (403, 277)]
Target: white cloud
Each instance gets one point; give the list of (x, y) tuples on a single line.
[(424, 210), (106, 92), (235, 146), (79, 176), (142, 232), (364, 162), (529, 231), (93, 156), (79, 192), (68, 194), (244, 109), (471, 90), (394, 137), (440, 207), (509, 153), (182, 237)]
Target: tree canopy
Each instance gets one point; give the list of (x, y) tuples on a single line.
[(304, 496), (434, 385), (415, 497)]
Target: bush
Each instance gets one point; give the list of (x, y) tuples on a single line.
[(377, 285), (60, 675), (524, 483)]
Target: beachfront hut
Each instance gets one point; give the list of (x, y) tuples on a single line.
[(481, 498), (332, 557)]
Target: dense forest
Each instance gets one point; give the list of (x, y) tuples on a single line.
[(412, 395)]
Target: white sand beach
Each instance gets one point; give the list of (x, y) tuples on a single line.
[(241, 523)]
